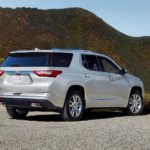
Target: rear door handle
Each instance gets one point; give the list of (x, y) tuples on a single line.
[(86, 76), (111, 78)]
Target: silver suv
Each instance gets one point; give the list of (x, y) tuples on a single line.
[(66, 81)]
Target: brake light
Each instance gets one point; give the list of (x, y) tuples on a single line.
[(47, 73), (1, 72)]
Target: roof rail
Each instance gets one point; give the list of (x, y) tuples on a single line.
[(56, 49), (36, 49)]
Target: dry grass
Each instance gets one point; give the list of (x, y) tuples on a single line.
[(1, 60), (147, 100), (73, 28)]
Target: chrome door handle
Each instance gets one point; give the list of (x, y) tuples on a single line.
[(86, 76), (111, 78)]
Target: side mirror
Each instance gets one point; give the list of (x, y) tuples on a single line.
[(123, 71)]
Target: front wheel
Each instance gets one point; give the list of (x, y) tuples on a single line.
[(16, 113), (135, 104), (74, 107)]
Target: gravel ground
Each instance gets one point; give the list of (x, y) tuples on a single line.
[(98, 131)]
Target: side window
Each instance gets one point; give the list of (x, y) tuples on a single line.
[(109, 66), (90, 62), (61, 59)]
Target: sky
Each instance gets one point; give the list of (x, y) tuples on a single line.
[(131, 17)]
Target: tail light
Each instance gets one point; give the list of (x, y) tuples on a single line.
[(1, 72), (47, 73)]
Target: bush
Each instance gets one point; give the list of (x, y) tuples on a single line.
[(1, 60), (147, 100)]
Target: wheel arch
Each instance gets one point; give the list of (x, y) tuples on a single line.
[(136, 88), (127, 109), (77, 88)]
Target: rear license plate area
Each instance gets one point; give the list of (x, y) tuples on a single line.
[(17, 78)]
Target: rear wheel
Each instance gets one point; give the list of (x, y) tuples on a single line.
[(17, 113), (74, 107), (135, 104)]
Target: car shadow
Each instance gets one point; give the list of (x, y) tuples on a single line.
[(102, 115), (146, 111), (45, 118), (87, 116)]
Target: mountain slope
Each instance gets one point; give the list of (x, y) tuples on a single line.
[(25, 28)]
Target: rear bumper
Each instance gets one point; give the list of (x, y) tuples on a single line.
[(35, 105)]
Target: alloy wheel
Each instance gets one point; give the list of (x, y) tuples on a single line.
[(75, 106), (135, 103)]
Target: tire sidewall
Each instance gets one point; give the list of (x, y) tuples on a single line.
[(129, 112), (66, 106), (14, 114)]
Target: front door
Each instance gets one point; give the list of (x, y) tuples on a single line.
[(105, 86)]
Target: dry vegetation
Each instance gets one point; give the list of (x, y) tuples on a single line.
[(147, 100), (1, 60), (25, 28)]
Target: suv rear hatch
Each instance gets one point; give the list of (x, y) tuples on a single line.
[(31, 73)]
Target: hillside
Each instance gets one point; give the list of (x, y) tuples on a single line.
[(26, 28)]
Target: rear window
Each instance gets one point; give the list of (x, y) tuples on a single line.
[(38, 60)]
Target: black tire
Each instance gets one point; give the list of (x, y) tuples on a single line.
[(138, 106), (67, 114), (17, 113)]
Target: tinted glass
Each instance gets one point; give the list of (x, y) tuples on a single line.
[(90, 62), (101, 65), (38, 59), (61, 59), (26, 60), (84, 64), (109, 66)]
